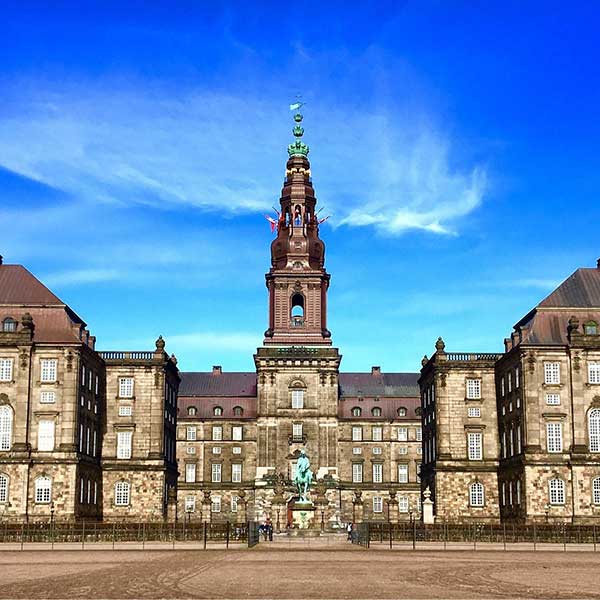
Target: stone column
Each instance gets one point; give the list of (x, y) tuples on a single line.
[(357, 507), (427, 506), (172, 505), (392, 507), (206, 507)]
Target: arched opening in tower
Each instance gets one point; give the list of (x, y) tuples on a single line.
[(297, 315)]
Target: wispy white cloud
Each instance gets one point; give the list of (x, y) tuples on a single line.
[(80, 276)]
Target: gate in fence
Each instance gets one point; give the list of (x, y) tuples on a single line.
[(361, 534)]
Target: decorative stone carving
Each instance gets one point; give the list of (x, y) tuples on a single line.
[(440, 345), (424, 360), (160, 343)]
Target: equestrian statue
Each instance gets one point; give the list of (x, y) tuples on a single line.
[(303, 477)]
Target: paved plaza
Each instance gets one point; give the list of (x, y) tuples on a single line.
[(298, 569)]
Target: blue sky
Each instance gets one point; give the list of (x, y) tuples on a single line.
[(455, 145)]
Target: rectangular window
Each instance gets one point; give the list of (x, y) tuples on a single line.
[(377, 450), (216, 450), (552, 372), (594, 372), (125, 411), (377, 434), (502, 390), (474, 411), (88, 441), (517, 377), (190, 504), (46, 436), (356, 450), (217, 433), (48, 371), (553, 399), (234, 503), (377, 473), (124, 444), (236, 450), (82, 375), (357, 434), (473, 389), (216, 504), (418, 434), (125, 387), (403, 450), (190, 473), (190, 450), (357, 472), (554, 440), (402, 434), (6, 369), (377, 504), (297, 431), (236, 473), (95, 443), (236, 433), (297, 398), (474, 441), (509, 377), (190, 434), (403, 504), (48, 397), (402, 473), (216, 473), (81, 491)]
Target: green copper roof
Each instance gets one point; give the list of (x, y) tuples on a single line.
[(298, 147)]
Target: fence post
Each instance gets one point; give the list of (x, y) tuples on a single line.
[(114, 535), (143, 536), (391, 536), (204, 534), (594, 537), (414, 540), (534, 537), (504, 535), (52, 535), (22, 534), (173, 535), (227, 535), (83, 535), (565, 537)]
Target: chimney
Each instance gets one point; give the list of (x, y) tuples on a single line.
[(217, 370), (375, 370)]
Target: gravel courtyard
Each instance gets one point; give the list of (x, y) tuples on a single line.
[(289, 573)]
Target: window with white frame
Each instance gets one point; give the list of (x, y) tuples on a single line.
[(190, 473), (48, 397), (122, 493), (474, 443), (216, 450), (510, 493), (402, 434), (418, 434), (215, 504), (377, 473), (46, 435), (357, 472), (594, 429), (356, 411), (43, 490), (402, 473), (190, 434), (6, 425), (48, 369), (502, 390), (190, 450), (595, 490), (518, 490), (190, 504), (6, 368), (509, 379), (236, 472), (553, 399), (297, 398), (594, 372), (403, 504), (297, 431), (3, 488), (554, 440), (125, 411), (377, 434), (124, 444), (476, 495), (518, 434), (125, 387), (217, 433), (403, 450), (376, 449), (236, 433), (357, 450), (216, 473), (234, 503), (357, 434), (473, 389), (552, 372), (474, 411), (9, 325), (236, 450), (556, 491), (377, 504)]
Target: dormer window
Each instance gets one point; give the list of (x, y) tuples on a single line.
[(590, 328), (376, 412), (238, 411), (402, 411), (9, 325), (192, 411), (217, 411), (356, 411)]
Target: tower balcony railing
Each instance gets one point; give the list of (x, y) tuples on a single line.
[(297, 322)]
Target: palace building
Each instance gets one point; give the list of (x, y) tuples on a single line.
[(124, 435)]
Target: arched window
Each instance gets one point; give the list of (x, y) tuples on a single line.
[(594, 429), (356, 411), (238, 411), (6, 421), (43, 490), (590, 328), (3, 488), (596, 490), (376, 412), (556, 491), (476, 495), (217, 411), (122, 493), (192, 411), (402, 411), (9, 324), (297, 310)]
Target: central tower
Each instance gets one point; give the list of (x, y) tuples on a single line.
[(297, 281)]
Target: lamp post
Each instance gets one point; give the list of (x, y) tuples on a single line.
[(51, 512), (547, 511)]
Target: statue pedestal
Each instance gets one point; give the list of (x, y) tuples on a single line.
[(303, 515)]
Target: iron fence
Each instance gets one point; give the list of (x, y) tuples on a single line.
[(253, 533)]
